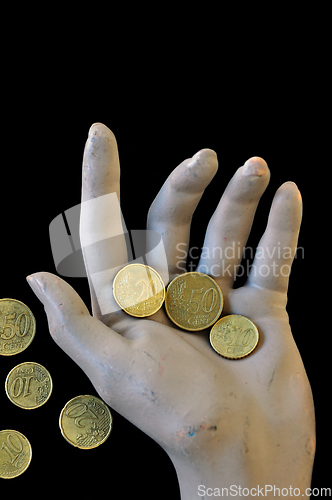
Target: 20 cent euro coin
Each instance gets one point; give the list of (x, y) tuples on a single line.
[(139, 290), (15, 454), (17, 327), (85, 422), (234, 336), (193, 301), (28, 385)]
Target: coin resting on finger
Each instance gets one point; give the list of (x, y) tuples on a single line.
[(17, 327), (15, 454), (139, 290), (193, 301), (28, 385), (85, 422), (234, 336)]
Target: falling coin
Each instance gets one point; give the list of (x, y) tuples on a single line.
[(28, 385), (15, 454), (85, 422), (234, 336), (17, 327), (139, 290), (193, 301)]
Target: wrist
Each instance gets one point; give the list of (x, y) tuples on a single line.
[(225, 477)]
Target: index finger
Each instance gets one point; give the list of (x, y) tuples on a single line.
[(102, 229), (101, 165)]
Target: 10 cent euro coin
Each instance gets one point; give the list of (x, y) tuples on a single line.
[(15, 454), (85, 422), (234, 336), (193, 301), (28, 385), (139, 290), (17, 327)]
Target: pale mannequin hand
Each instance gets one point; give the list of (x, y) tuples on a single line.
[(246, 422)]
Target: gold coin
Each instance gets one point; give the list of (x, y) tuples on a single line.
[(28, 385), (85, 422), (15, 454), (193, 301), (234, 336), (17, 327), (139, 290)]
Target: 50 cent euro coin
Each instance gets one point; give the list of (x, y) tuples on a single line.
[(193, 301), (17, 327)]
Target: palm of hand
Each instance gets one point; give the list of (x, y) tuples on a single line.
[(243, 417), (187, 398)]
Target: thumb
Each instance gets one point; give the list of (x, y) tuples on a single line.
[(90, 343)]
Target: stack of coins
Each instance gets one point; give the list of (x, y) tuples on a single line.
[(193, 302)]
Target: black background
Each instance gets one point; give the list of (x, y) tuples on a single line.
[(160, 115)]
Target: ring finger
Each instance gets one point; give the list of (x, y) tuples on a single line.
[(230, 225)]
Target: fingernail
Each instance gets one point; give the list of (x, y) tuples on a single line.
[(289, 188), (101, 130), (37, 286), (93, 127), (255, 166), (203, 156)]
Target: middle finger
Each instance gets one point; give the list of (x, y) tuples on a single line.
[(172, 210)]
